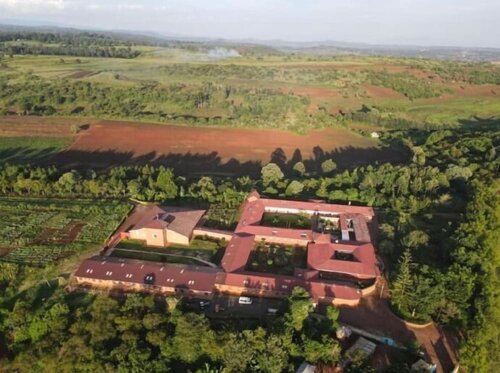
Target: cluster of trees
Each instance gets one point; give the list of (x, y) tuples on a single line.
[(31, 95), (47, 329), (406, 84), (65, 44), (454, 71), (83, 39), (67, 50)]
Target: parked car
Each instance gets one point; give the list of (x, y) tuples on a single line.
[(204, 304), (245, 300)]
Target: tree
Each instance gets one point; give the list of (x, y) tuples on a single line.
[(299, 168), (300, 307), (271, 174), (165, 181), (328, 166), (403, 285), (294, 188)]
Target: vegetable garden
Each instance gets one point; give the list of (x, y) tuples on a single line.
[(41, 231)]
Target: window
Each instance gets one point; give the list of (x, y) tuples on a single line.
[(284, 286), (190, 282), (109, 273)]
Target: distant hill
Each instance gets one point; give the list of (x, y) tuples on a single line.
[(327, 48)]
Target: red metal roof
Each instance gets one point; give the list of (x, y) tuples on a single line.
[(321, 257), (285, 284), (237, 252), (135, 271), (254, 208)]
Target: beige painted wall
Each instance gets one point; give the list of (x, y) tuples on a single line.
[(177, 238), (153, 237)]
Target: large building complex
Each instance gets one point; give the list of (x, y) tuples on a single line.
[(339, 267)]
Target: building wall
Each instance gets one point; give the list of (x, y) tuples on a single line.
[(238, 290), (345, 235), (282, 241), (153, 237), (213, 233), (177, 238), (135, 287)]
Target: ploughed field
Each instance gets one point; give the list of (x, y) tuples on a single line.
[(191, 150)]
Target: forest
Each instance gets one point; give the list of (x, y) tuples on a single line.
[(438, 220), (64, 44)]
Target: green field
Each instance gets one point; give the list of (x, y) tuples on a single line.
[(295, 92), (38, 232), (30, 149)]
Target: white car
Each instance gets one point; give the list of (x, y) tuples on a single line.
[(245, 300)]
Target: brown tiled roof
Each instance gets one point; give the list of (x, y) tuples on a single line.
[(180, 221), (132, 271), (320, 256)]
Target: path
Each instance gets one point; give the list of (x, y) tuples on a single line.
[(374, 315)]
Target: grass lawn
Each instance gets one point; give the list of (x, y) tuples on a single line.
[(295, 221), (207, 250), (277, 259)]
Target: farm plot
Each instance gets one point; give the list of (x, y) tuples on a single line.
[(37, 232)]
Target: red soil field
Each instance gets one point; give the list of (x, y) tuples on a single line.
[(242, 144), (381, 92), (201, 150)]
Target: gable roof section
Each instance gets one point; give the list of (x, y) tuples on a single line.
[(320, 256), (180, 221), (237, 252), (135, 271)]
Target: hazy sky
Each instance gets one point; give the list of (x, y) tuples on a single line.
[(417, 22)]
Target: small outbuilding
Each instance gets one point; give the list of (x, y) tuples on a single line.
[(163, 226)]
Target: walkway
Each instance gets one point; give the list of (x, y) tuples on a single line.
[(374, 315)]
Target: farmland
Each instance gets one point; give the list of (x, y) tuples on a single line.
[(229, 116), (38, 232), (202, 150)]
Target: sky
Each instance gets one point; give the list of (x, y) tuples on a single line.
[(473, 23)]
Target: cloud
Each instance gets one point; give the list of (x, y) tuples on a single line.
[(33, 6)]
